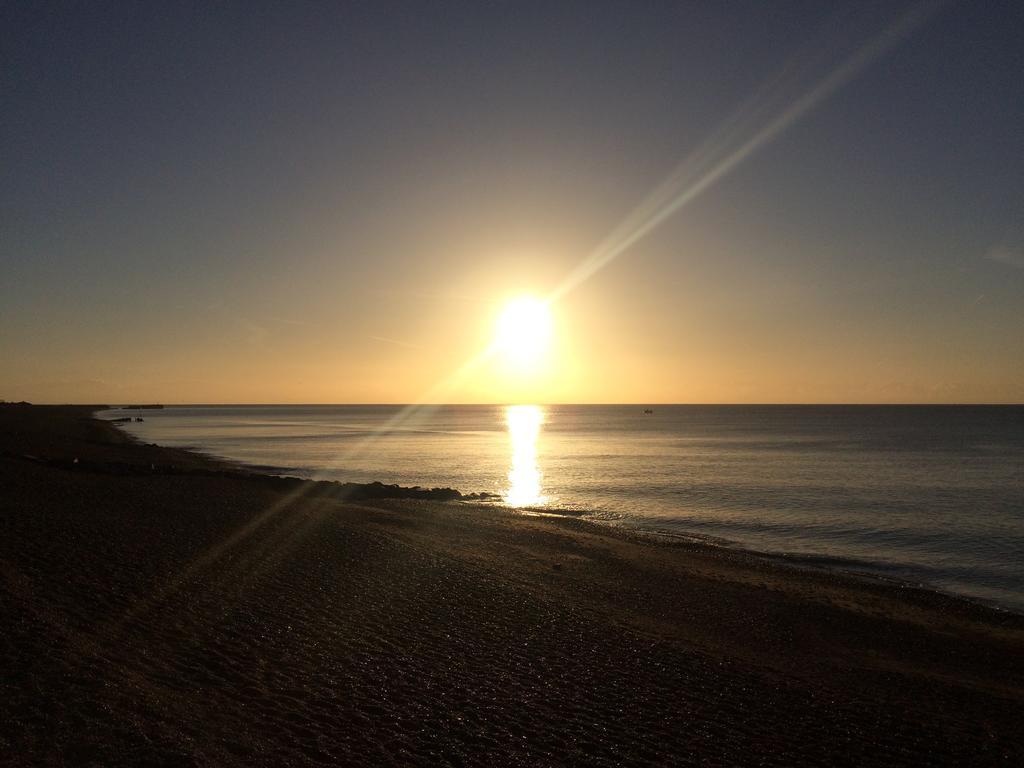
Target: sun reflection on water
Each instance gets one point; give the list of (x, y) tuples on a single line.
[(524, 422)]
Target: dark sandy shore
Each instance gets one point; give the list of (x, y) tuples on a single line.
[(158, 611)]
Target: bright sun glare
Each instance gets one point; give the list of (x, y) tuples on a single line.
[(523, 334)]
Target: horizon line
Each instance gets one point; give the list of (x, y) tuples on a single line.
[(638, 403)]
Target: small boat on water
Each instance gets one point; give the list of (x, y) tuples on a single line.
[(648, 411)]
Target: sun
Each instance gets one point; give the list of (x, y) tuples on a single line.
[(523, 335)]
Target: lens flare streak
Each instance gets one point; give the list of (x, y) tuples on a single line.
[(740, 137)]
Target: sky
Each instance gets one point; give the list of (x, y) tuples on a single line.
[(722, 202)]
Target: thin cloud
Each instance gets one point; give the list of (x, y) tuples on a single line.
[(1004, 254), (396, 342)]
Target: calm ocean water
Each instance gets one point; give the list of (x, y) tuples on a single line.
[(927, 494)]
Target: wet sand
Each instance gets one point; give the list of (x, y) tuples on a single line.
[(162, 609)]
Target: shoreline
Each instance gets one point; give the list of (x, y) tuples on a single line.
[(213, 617), (850, 567)]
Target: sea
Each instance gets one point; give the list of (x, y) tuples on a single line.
[(927, 495)]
